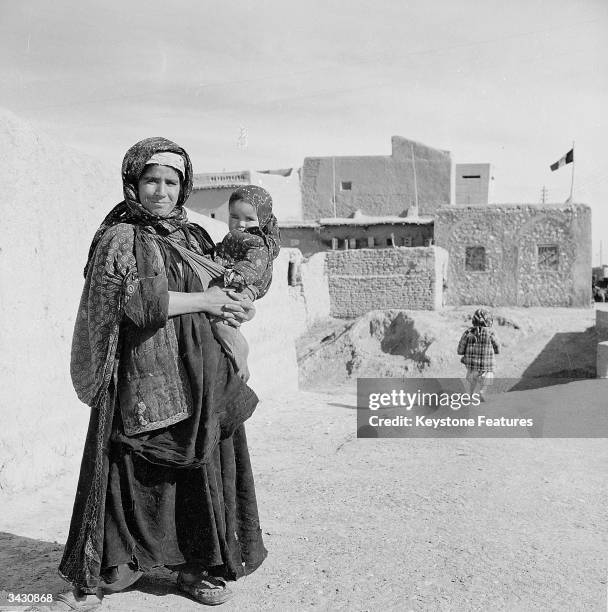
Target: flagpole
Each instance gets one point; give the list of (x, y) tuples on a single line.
[(333, 181), (572, 183), (415, 179)]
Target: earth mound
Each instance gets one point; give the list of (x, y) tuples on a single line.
[(405, 343)]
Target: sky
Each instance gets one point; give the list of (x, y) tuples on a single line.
[(513, 83)]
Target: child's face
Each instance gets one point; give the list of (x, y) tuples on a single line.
[(242, 215)]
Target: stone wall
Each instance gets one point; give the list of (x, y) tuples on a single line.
[(375, 279), (377, 185), (518, 270)]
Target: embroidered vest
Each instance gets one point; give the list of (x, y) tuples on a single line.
[(153, 385)]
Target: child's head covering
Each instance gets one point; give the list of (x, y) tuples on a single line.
[(261, 200), (482, 318)]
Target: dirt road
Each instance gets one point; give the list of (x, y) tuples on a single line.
[(389, 524)]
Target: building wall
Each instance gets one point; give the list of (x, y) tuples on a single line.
[(384, 235), (307, 239), (473, 184), (368, 279), (511, 236), (211, 202), (315, 287), (314, 240), (285, 191), (379, 185)]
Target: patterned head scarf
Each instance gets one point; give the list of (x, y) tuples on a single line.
[(482, 318), (130, 210), (261, 200)]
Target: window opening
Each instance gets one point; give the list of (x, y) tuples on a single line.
[(475, 259)]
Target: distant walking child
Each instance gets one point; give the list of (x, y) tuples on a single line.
[(478, 345)]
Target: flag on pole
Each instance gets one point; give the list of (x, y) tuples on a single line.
[(566, 159)]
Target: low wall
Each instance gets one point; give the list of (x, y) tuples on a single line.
[(377, 279), (601, 321), (271, 335), (315, 285)]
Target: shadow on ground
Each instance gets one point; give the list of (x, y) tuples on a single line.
[(566, 357), (29, 565)]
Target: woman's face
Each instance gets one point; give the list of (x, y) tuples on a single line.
[(242, 215), (158, 189)]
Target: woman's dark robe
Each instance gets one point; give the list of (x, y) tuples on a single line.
[(174, 495)]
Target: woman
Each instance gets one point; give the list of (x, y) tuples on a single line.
[(165, 476)]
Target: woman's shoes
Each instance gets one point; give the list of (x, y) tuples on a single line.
[(207, 590), (76, 601), (120, 577)]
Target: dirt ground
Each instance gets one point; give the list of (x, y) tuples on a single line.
[(556, 342), (382, 524), (389, 524)]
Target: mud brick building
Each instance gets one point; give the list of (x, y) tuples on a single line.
[(356, 233), (377, 185), (517, 254), (367, 279)]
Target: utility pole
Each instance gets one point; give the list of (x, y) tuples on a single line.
[(415, 178), (543, 194)]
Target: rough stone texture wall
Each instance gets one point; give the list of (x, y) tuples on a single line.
[(381, 185), (511, 234), (368, 279)]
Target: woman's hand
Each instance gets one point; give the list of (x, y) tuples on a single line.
[(218, 302), (246, 304), (214, 301)]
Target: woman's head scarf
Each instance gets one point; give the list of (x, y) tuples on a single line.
[(261, 200), (130, 210)]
